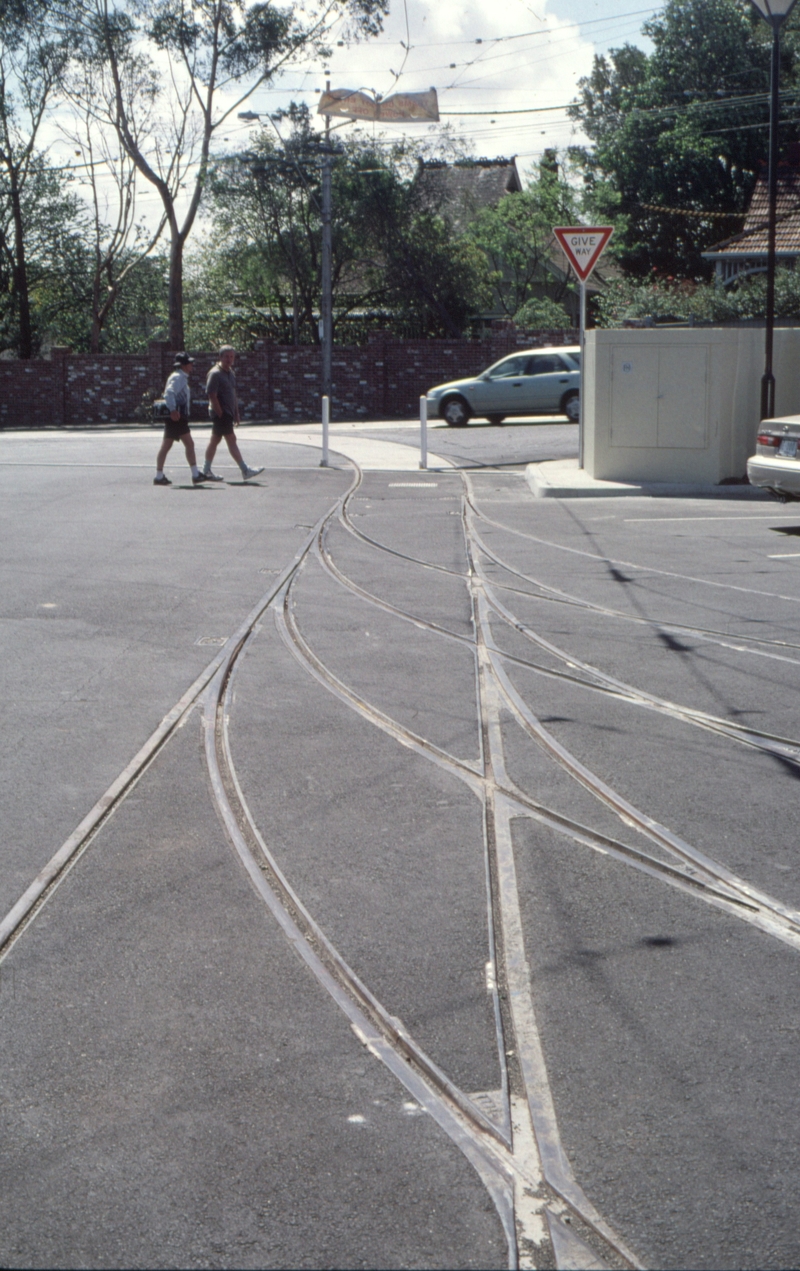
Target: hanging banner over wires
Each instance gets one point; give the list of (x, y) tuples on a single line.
[(583, 245), (421, 108)]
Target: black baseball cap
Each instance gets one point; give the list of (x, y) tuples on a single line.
[(183, 359)]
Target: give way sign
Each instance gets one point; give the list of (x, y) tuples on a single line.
[(583, 245)]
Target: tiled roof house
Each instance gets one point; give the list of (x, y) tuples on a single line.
[(465, 188), (746, 253)]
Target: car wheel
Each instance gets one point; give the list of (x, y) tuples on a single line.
[(495, 419), (571, 406), (455, 412)]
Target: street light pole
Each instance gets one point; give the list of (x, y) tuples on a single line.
[(775, 12), (327, 265)]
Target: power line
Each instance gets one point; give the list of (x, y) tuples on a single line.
[(527, 110)]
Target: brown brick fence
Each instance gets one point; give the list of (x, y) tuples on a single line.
[(382, 379)]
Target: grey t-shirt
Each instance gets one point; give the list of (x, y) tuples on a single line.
[(223, 383)]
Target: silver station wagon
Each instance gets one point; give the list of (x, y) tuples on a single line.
[(533, 382), (776, 464)]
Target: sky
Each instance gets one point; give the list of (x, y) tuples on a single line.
[(485, 60), (504, 74)]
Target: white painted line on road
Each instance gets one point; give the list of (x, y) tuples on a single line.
[(782, 555), (746, 516)]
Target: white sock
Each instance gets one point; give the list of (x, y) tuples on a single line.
[(195, 470), (243, 467), (159, 474), (206, 467)]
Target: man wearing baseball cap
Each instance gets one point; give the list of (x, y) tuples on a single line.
[(223, 410), (176, 428)]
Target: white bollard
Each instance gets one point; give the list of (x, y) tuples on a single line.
[(326, 416), (423, 432)]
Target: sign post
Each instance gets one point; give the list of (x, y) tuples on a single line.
[(583, 245)]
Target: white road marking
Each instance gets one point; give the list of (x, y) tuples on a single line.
[(746, 516)]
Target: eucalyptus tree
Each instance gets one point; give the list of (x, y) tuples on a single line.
[(173, 75), (33, 53), (119, 236)]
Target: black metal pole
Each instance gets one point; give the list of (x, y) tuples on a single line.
[(768, 379)]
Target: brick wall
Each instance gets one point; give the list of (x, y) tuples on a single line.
[(381, 379)]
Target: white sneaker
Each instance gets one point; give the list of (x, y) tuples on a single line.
[(251, 472)]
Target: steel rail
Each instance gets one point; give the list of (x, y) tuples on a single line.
[(217, 715), (690, 879), (711, 880), (706, 634), (628, 564), (564, 1186), (62, 861), (787, 920), (477, 1138), (373, 542), (784, 747)]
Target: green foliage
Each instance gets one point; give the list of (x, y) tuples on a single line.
[(395, 263), (516, 238), (432, 281), (56, 259), (638, 300), (140, 312), (683, 127), (542, 313)]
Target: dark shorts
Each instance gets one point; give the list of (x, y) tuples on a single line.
[(222, 427), (176, 429)]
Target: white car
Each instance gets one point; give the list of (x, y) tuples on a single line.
[(776, 464), (531, 382)]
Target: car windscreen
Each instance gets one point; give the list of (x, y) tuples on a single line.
[(509, 366)]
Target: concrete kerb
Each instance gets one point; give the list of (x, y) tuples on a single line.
[(563, 479)]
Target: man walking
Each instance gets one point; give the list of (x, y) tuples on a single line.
[(223, 408), (176, 428)]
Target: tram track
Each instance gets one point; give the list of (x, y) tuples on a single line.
[(705, 634), (593, 679), (625, 564), (516, 1172), (509, 802), (705, 876), (694, 879)]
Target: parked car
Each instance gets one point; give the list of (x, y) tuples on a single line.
[(532, 382), (776, 464)]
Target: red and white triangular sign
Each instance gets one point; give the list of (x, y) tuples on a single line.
[(583, 245)]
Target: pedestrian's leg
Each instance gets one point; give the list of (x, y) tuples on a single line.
[(191, 458), (233, 446), (236, 453), (188, 445), (211, 450), (166, 446)]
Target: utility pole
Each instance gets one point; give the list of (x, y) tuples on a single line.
[(327, 264)]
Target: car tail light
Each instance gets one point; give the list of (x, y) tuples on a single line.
[(767, 439)]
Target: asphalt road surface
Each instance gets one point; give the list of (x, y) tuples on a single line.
[(395, 870)]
